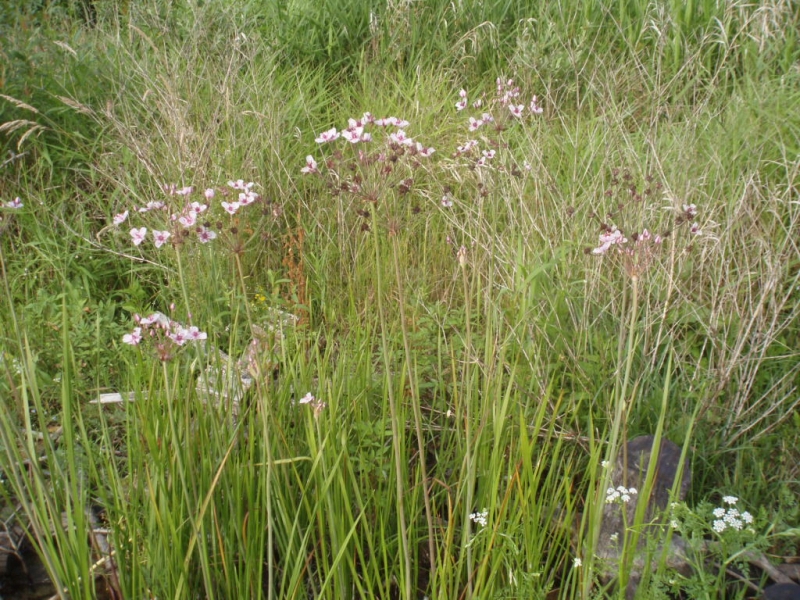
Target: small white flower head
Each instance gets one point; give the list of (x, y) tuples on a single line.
[(719, 512), (614, 537), (307, 399), (577, 563), (605, 464), (719, 525), (747, 517), (729, 499), (480, 518), (622, 494)]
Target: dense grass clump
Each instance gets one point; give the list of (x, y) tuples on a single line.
[(396, 358)]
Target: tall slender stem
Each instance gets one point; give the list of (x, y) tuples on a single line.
[(398, 459), (415, 400), (621, 390), (466, 387), (266, 416)]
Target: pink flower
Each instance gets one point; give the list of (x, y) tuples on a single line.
[(247, 198), (307, 399), (534, 106), (423, 151), (462, 104), (120, 218), (209, 193), (311, 165), (205, 235), (194, 334), (447, 201), (138, 235), (368, 118), (478, 103), (489, 154), (327, 136), (239, 184), (695, 229), (133, 338), (15, 203), (231, 207), (467, 146), (189, 219), (526, 165), (609, 239), (690, 210), (516, 109), (184, 191), (487, 118), (152, 205), (474, 123), (353, 134), (402, 123), (160, 237), (158, 318), (198, 208), (366, 137), (400, 137), (179, 336)]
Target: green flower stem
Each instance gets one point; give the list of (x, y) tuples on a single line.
[(401, 516)]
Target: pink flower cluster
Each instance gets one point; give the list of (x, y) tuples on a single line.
[(612, 236), (500, 109), (15, 203), (315, 403), (356, 133), (507, 97), (186, 220), (165, 331)]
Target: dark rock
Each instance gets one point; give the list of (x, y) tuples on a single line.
[(782, 591)]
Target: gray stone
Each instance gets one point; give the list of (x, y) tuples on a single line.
[(630, 471)]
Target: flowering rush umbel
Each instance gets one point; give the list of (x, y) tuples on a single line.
[(180, 216), (357, 134), (505, 108), (166, 333)]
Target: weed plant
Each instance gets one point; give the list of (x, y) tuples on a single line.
[(512, 236)]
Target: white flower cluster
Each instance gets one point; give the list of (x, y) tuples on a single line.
[(481, 518), (621, 494), (730, 517)]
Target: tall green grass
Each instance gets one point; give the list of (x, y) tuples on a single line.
[(470, 357)]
